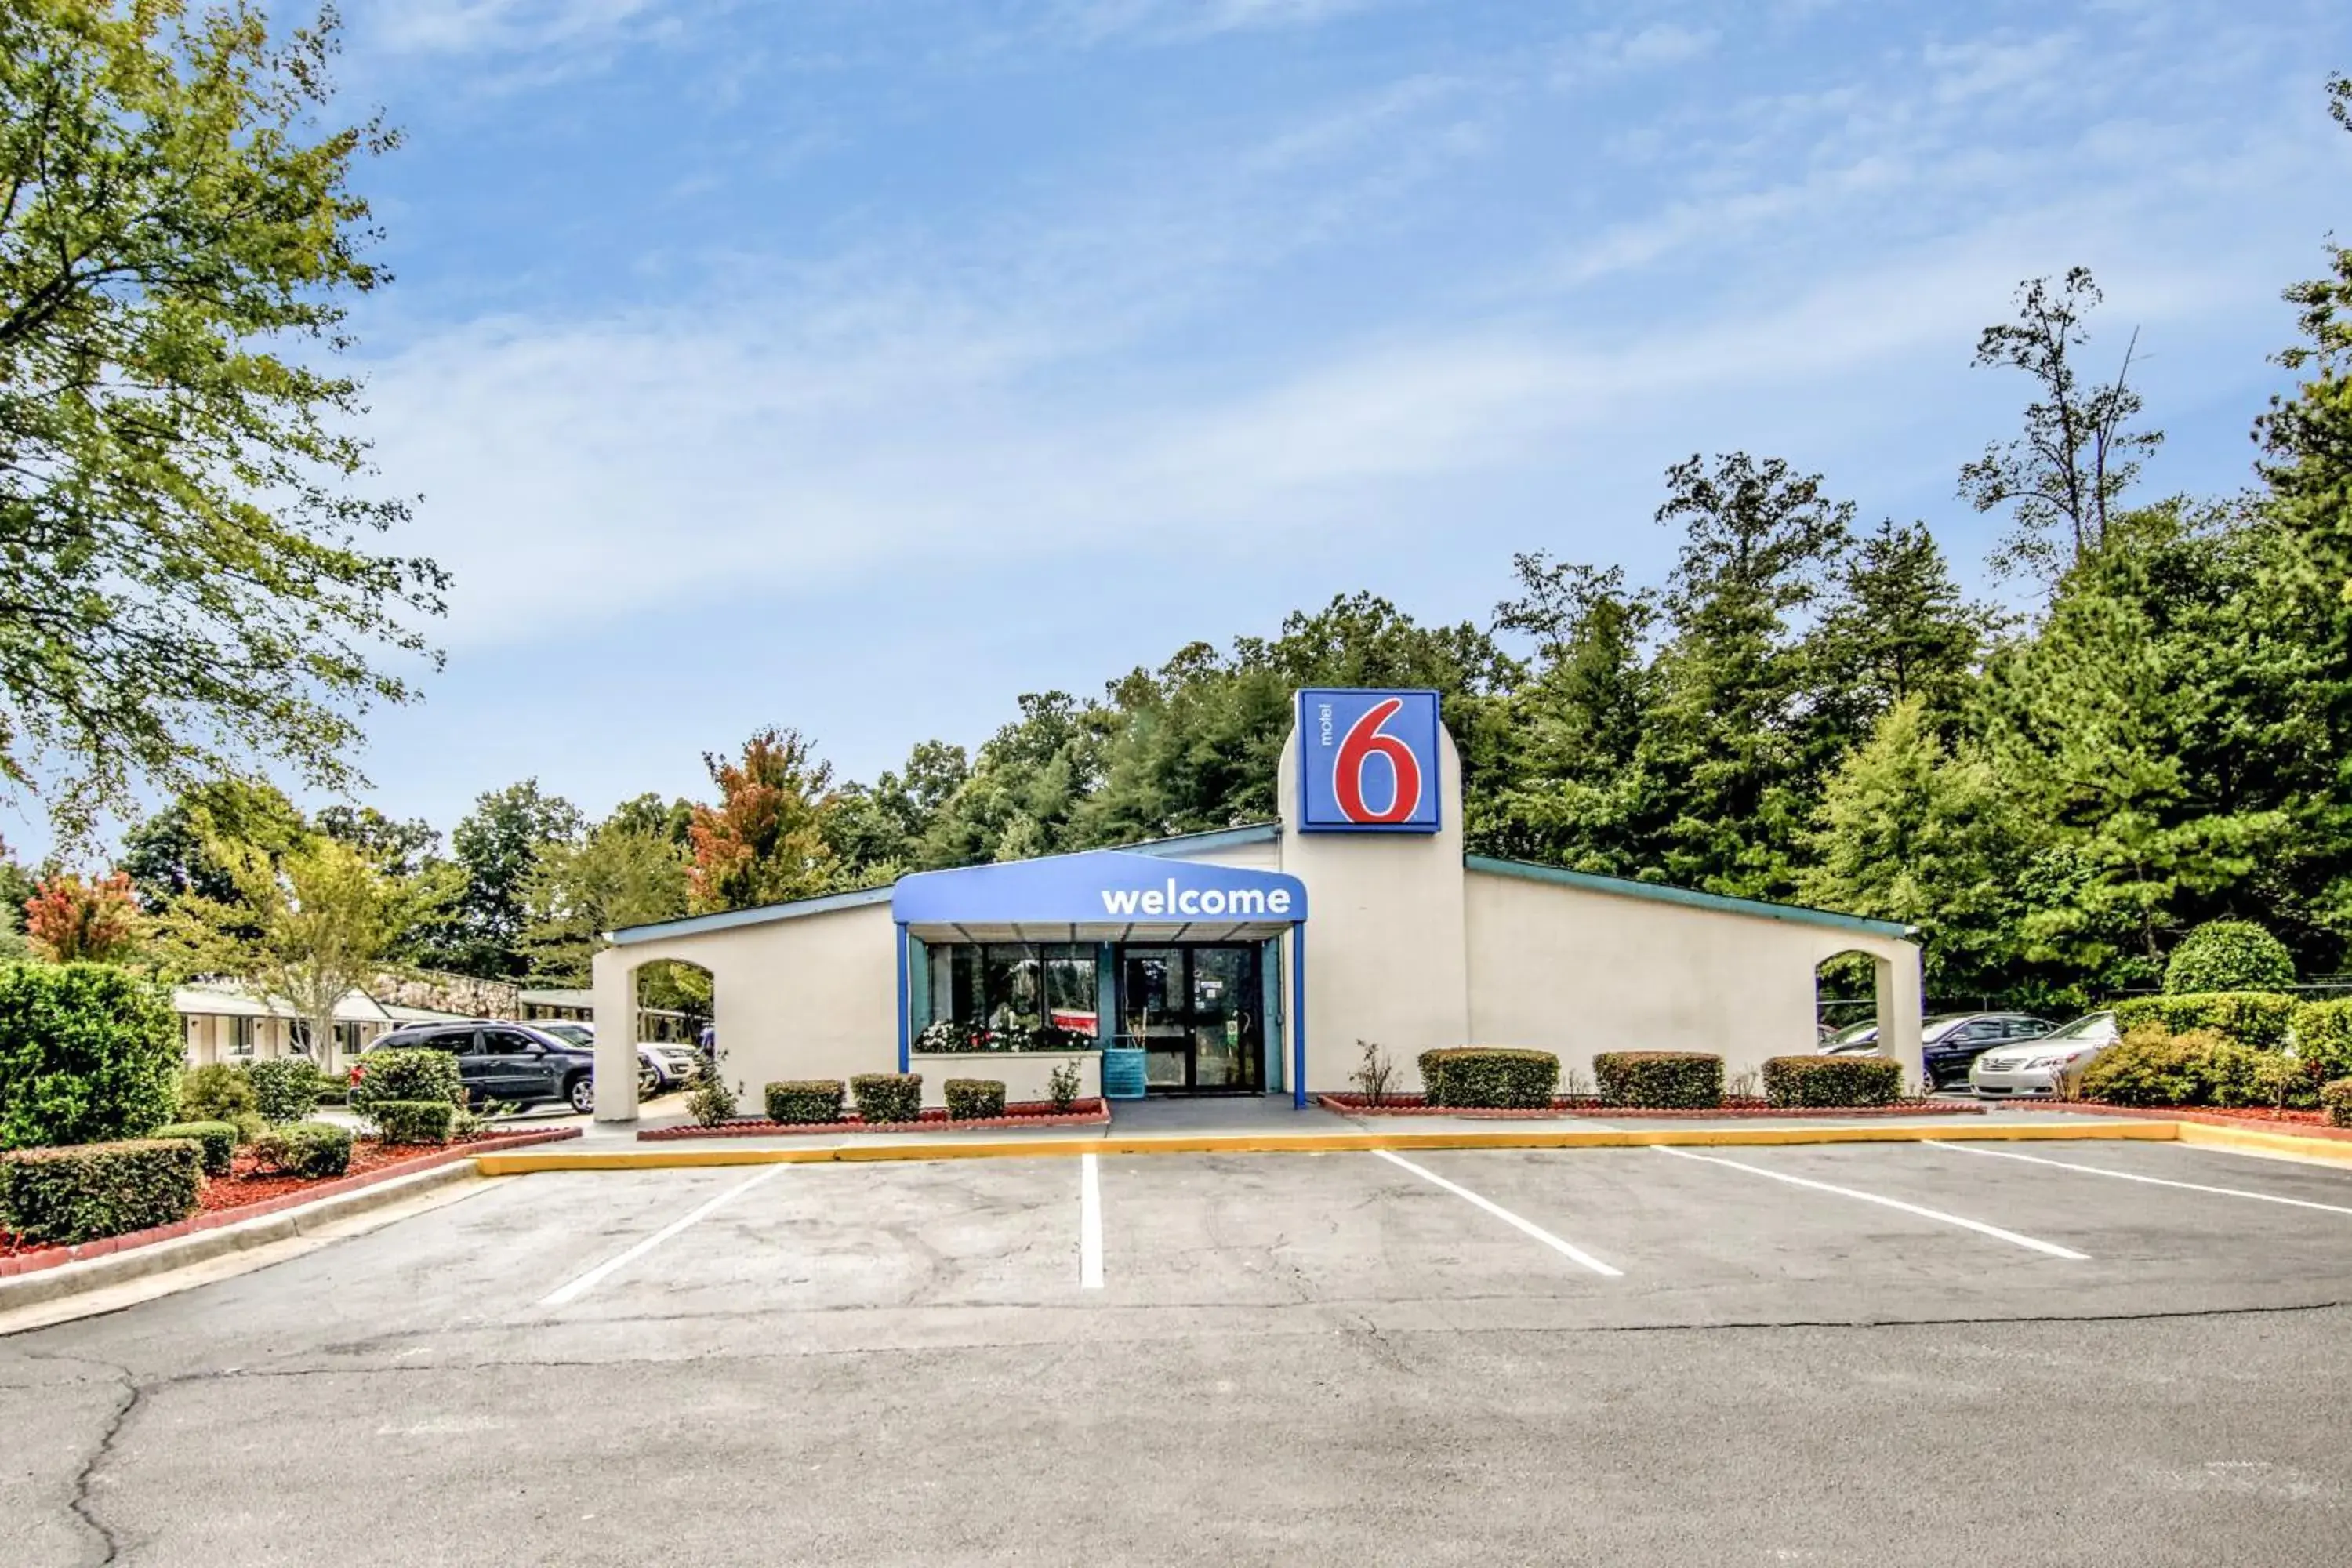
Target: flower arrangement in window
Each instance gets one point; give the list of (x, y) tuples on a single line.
[(958, 1035)]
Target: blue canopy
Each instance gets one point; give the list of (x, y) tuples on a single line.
[(1101, 892)]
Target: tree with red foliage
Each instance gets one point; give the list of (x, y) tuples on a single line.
[(763, 843), (68, 920)]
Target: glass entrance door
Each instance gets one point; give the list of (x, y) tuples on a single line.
[(1196, 1011)]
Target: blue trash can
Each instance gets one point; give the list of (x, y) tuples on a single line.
[(1122, 1072)]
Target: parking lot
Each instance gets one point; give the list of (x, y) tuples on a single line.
[(2055, 1353)]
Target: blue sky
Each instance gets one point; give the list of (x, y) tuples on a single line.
[(856, 366)]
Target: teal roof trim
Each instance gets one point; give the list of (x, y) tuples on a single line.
[(800, 909), (1185, 844), (1689, 898)]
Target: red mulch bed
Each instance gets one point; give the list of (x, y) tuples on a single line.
[(246, 1193), (1020, 1114), (1588, 1105), (2302, 1123)]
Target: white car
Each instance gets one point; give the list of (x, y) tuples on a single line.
[(2032, 1069), (660, 1067)]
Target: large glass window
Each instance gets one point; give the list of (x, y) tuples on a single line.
[(1007, 995)]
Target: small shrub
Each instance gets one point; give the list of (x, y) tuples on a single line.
[(89, 1054), (413, 1120), (1487, 1077), (806, 1100), (311, 1150), (2256, 1018), (1796, 1081), (285, 1089), (217, 1092), (1062, 1085), (218, 1140), (2151, 1066), (2323, 1037), (85, 1191), (888, 1095), (973, 1099), (2338, 1098), (711, 1100), (1660, 1080), (2228, 955), (410, 1074), (1373, 1073), (250, 1125)]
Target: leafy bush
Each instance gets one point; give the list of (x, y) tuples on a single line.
[(973, 1099), (218, 1140), (413, 1120), (888, 1095), (250, 1125), (2152, 1065), (1062, 1085), (1373, 1073), (1792, 1081), (397, 1074), (2338, 1098), (806, 1100), (285, 1089), (85, 1191), (2323, 1037), (87, 1054), (711, 1100), (2256, 1018), (1487, 1077), (308, 1149), (1660, 1080), (217, 1092), (2228, 955)]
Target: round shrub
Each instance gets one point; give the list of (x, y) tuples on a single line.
[(888, 1096), (413, 1120), (218, 1140), (2323, 1037), (307, 1149), (89, 1054), (805, 1101), (285, 1089), (1489, 1077), (2228, 955), (973, 1099), (1799, 1081), (1660, 1080), (2152, 1065), (87, 1191), (399, 1073), (2338, 1098), (217, 1092), (2257, 1019)]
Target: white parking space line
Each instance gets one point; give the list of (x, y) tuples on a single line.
[(2030, 1243), (2132, 1176), (1089, 1223), (571, 1290), (1573, 1254)]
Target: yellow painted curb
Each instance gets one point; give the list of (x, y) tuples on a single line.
[(656, 1157), (2253, 1137)]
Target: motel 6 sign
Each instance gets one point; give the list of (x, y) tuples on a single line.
[(1368, 762)]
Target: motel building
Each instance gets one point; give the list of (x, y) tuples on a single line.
[(1256, 960)]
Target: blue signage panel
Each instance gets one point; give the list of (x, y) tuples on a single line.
[(1100, 887), (1368, 762)]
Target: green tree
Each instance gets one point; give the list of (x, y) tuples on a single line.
[(167, 854), (396, 848), (764, 842), (1897, 628), (628, 871), (187, 575), (494, 851)]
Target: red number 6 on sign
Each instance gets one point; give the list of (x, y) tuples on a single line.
[(1364, 742)]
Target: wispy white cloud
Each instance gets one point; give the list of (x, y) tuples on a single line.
[(1096, 21), (1613, 52), (482, 27)]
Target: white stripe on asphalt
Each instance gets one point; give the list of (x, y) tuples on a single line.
[(2129, 1176), (564, 1295), (1573, 1254), (2052, 1249), (1090, 1225)]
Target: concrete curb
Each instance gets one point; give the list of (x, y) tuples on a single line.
[(2256, 1139), (639, 1159), (157, 1258)]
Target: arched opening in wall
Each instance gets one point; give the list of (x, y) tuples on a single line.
[(676, 1024), (1845, 1001)]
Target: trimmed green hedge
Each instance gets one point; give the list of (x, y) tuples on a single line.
[(217, 1139), (2151, 1066), (2228, 955), (89, 1054), (2323, 1036), (1796, 1081), (2338, 1098), (1489, 1077), (216, 1092), (802, 1102), (312, 1149), (1660, 1080), (413, 1120), (973, 1099), (87, 1191), (2256, 1018), (285, 1089), (888, 1095), (411, 1074)]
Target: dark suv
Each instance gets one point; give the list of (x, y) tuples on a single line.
[(511, 1065)]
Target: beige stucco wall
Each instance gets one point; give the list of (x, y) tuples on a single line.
[(1023, 1075)]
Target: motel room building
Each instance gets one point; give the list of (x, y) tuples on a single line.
[(1260, 959)]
